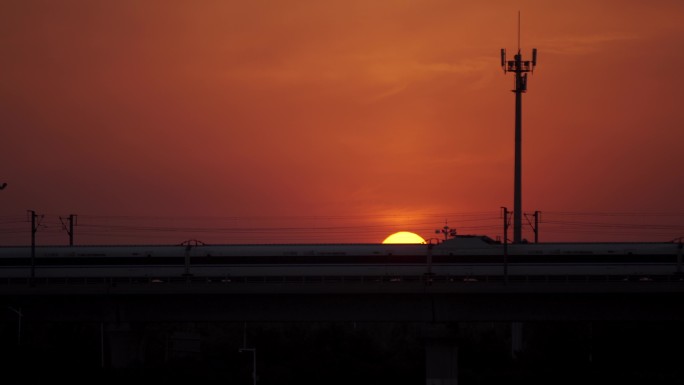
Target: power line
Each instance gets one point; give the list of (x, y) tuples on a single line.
[(341, 229)]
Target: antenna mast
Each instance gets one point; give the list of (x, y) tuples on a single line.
[(520, 68), (518, 31)]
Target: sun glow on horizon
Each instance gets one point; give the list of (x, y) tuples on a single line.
[(404, 237)]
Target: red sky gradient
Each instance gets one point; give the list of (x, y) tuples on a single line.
[(338, 121)]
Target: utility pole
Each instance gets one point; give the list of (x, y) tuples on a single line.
[(19, 314), (189, 244), (429, 275), (506, 223), (535, 226), (34, 229), (520, 68), (251, 350), (70, 229), (679, 256), (447, 231)]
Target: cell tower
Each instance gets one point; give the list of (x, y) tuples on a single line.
[(520, 68)]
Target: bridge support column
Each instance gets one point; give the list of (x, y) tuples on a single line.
[(441, 357), (121, 347), (516, 338)]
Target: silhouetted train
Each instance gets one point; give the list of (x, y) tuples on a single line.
[(462, 256)]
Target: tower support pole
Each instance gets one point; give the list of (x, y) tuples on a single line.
[(520, 68), (517, 195)]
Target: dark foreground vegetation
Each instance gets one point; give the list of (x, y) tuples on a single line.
[(339, 353)]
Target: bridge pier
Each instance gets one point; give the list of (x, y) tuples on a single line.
[(121, 346), (441, 355), (517, 342)]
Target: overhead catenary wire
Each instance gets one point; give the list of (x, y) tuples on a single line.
[(101, 229)]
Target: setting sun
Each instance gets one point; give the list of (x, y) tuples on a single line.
[(404, 237)]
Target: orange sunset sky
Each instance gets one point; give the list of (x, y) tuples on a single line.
[(337, 121)]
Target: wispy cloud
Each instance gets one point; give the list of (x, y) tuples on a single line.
[(582, 44)]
